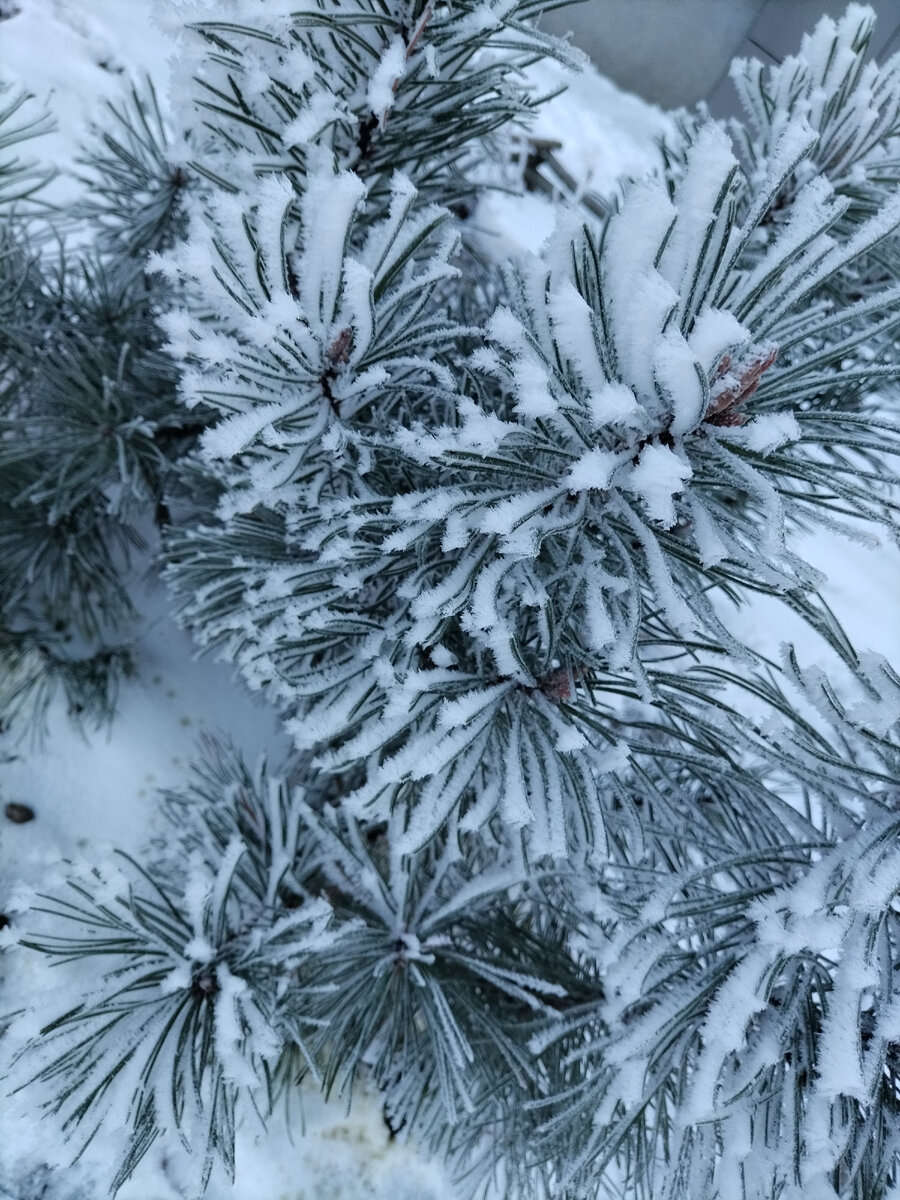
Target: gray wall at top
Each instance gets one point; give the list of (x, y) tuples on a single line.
[(677, 52)]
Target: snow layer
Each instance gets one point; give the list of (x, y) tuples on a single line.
[(75, 58), (604, 136)]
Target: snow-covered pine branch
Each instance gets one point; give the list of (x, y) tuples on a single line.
[(851, 102), (468, 571), (89, 421)]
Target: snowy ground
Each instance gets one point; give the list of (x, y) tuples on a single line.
[(92, 792)]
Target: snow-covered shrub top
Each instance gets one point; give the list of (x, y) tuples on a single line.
[(382, 87), (474, 539), (300, 321), (646, 379), (812, 954), (853, 105), (239, 974), (198, 972)]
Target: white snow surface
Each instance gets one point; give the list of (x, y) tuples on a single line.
[(604, 136), (75, 57), (98, 790)]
